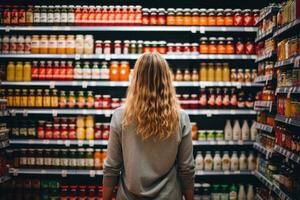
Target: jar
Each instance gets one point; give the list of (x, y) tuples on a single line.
[(89, 132), (98, 102), (220, 20), (229, 46), (249, 47), (179, 17), (187, 18), (140, 46), (171, 19), (195, 75), (132, 47), (203, 46), (115, 103), (240, 47), (255, 16), (107, 47), (35, 44), (212, 47), (81, 100), (71, 99), (247, 18), (27, 45), (203, 72), (194, 48), (178, 75), (145, 16), (105, 131), (161, 18), (13, 44), (146, 47), (184, 101), (170, 48), (228, 21), (212, 19), (203, 19), (124, 71), (46, 99), (44, 44), (178, 48), (98, 131), (211, 72), (162, 48), (49, 131), (72, 135), (187, 75), (226, 72), (97, 159), (218, 72), (240, 76), (186, 48), (52, 44), (114, 71), (88, 46), (221, 47), (20, 47), (38, 98), (194, 102), (238, 17), (153, 17), (61, 44), (79, 44), (195, 17), (106, 103), (247, 76), (126, 46), (24, 98), (70, 44), (233, 75)]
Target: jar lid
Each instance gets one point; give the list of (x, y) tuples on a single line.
[(229, 39), (106, 96), (107, 41), (99, 41), (143, 10), (228, 10), (133, 41), (153, 10), (221, 38), (220, 10), (179, 10), (195, 10), (211, 10), (171, 10), (237, 10), (117, 41), (186, 96), (212, 38), (203, 38)]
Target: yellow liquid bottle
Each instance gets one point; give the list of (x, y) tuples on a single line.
[(27, 72), (19, 72), (11, 68)]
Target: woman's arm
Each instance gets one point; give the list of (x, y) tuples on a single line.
[(185, 160), (114, 161)]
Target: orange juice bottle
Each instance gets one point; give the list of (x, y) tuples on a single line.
[(24, 98), (19, 71), (44, 44), (52, 44), (61, 44), (27, 71), (17, 98), (39, 99), (31, 99), (35, 44), (11, 68), (10, 98)]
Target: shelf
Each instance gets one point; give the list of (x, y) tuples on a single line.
[(258, 197), (108, 113), (222, 143), (283, 63), (84, 84), (288, 154), (287, 120), (193, 29), (58, 142), (286, 28), (264, 127), (264, 78), (264, 35), (263, 150), (4, 178), (269, 12), (263, 105), (288, 90), (130, 56), (222, 173), (62, 172), (265, 57), (271, 186)]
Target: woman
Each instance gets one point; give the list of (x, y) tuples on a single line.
[(150, 145)]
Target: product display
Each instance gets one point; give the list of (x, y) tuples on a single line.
[(66, 68)]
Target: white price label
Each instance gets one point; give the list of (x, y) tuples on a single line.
[(236, 172), (91, 143), (193, 29), (13, 113), (64, 173), (223, 29), (84, 84), (202, 29), (59, 142), (67, 28), (15, 172), (92, 173), (7, 29), (80, 143), (30, 141), (67, 143), (77, 56), (43, 171), (46, 141), (208, 114), (25, 113), (226, 172), (240, 142), (63, 56), (54, 113), (107, 57), (52, 84), (55, 28), (107, 113)]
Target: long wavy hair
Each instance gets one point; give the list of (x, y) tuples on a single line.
[(151, 99)]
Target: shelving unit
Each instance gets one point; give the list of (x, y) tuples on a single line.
[(288, 154), (264, 127), (224, 173), (223, 143), (62, 172), (284, 63), (263, 105), (288, 90), (262, 79), (292, 25), (287, 120), (265, 57), (264, 35), (268, 153)]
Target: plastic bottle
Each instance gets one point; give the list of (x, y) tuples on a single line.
[(228, 130), (243, 161), (233, 192), (11, 69), (251, 161), (217, 161), (242, 193), (225, 161), (236, 133), (199, 161), (234, 162), (245, 131), (253, 130), (208, 161), (250, 192)]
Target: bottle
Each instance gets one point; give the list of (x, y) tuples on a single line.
[(250, 192), (11, 68), (251, 161), (245, 131), (95, 71), (242, 193), (253, 130), (208, 161), (217, 161), (19, 72), (199, 161), (78, 71), (234, 162), (27, 72), (236, 133), (232, 192), (225, 161), (228, 130), (243, 161)]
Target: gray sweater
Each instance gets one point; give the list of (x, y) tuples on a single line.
[(148, 169)]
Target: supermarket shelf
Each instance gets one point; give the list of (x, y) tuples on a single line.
[(84, 84), (264, 127), (258, 197), (107, 113), (288, 27), (263, 105), (283, 63), (62, 172), (265, 78), (55, 142), (287, 120), (223, 173), (265, 57), (130, 56), (193, 29), (222, 143), (264, 35), (3, 100), (288, 90), (288, 154), (4, 178), (269, 12), (263, 150), (271, 186)]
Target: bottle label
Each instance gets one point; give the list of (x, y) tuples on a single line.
[(64, 17), (50, 18), (56, 17), (43, 18), (71, 17), (36, 18)]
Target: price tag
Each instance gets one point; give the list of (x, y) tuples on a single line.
[(84, 112), (46, 141), (232, 112), (240, 142), (43, 171), (92, 83), (202, 29), (63, 56), (15, 172), (107, 113), (223, 29), (67, 143), (84, 84), (244, 57), (200, 172), (55, 28), (7, 29), (67, 28), (226, 172), (193, 29), (91, 143), (54, 113), (25, 113), (77, 56), (107, 57), (30, 141), (237, 172), (289, 93), (64, 173), (208, 114), (239, 86), (212, 142), (52, 84), (59, 142), (12, 112), (92, 173), (80, 143)]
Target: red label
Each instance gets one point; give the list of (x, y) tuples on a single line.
[(219, 101), (240, 48), (249, 48), (27, 47), (56, 72), (21, 16), (5, 47), (211, 100), (203, 100), (56, 134), (13, 47), (248, 20), (226, 100), (14, 17), (62, 73), (42, 73), (238, 20), (49, 73), (34, 73), (233, 101), (72, 134), (6, 16), (69, 73), (20, 47)]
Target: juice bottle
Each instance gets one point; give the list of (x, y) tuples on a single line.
[(61, 45), (27, 72), (39, 99), (54, 99), (114, 71), (19, 72), (11, 68), (44, 44), (10, 98), (17, 98), (31, 99), (24, 98), (62, 99), (35, 44), (46, 99)]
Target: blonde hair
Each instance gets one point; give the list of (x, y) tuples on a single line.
[(151, 99)]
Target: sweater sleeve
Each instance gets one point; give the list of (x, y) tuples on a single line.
[(114, 161), (185, 158)]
